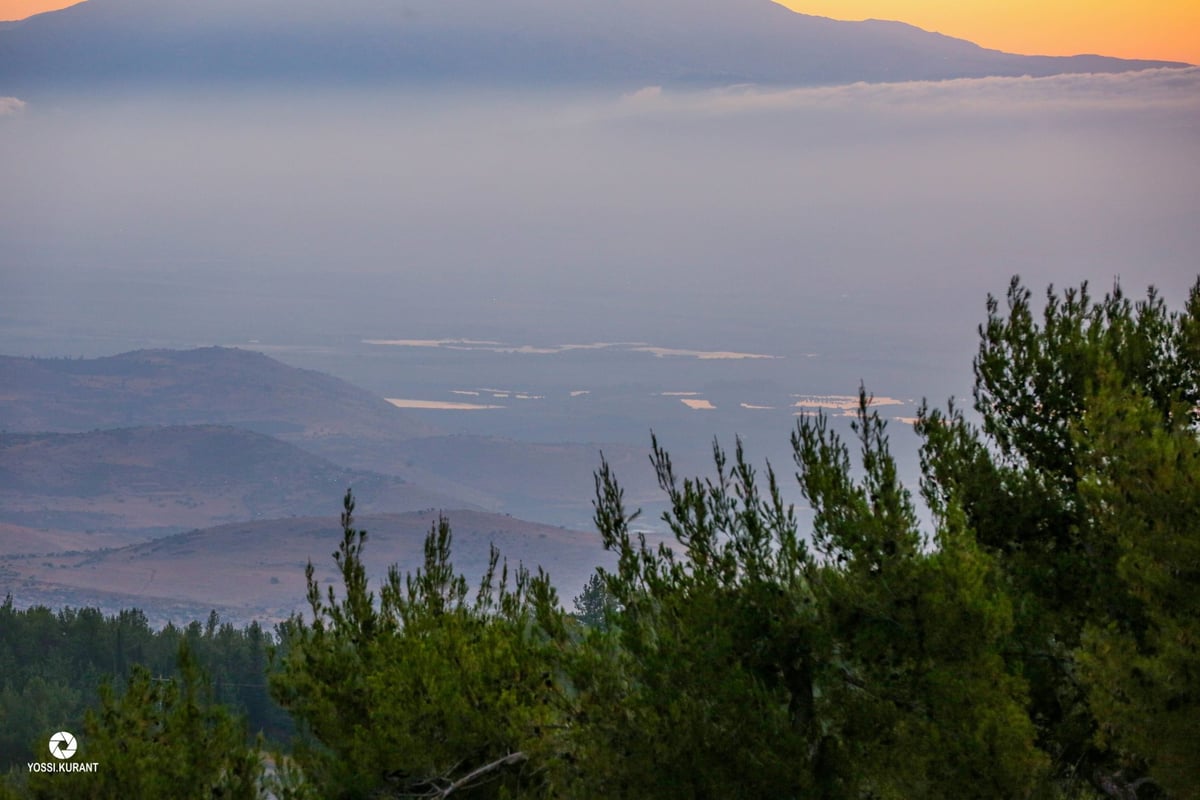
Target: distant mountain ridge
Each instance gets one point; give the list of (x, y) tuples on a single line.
[(151, 481), (480, 42), (212, 385)]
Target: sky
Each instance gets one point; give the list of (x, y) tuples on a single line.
[(1154, 29)]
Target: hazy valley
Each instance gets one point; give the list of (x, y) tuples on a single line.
[(218, 444), (179, 464)]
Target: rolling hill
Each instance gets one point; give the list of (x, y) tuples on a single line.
[(335, 422), (150, 481), (255, 570), (213, 385)]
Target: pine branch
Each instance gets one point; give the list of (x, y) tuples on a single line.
[(471, 778)]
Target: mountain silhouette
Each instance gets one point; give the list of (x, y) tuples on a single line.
[(525, 43)]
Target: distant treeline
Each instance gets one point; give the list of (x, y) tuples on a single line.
[(52, 665)]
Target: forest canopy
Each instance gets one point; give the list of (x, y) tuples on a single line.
[(1040, 637)]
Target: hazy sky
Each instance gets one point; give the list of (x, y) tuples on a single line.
[(1153, 29)]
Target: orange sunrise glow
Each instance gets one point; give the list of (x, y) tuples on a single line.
[(20, 9), (1167, 30), (1154, 29)]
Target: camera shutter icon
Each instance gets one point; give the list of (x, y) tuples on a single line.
[(63, 745)]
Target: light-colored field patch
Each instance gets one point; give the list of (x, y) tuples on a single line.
[(506, 392), (548, 349), (580, 392), (697, 404), (439, 405), (498, 393), (839, 402), (525, 350), (678, 394), (753, 407), (432, 342), (703, 355), (495, 346)]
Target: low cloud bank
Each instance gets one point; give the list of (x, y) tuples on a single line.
[(1156, 88)]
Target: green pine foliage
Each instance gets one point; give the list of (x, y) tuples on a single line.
[(594, 604), (742, 662), (415, 692), (1142, 671), (158, 738), (1081, 481), (702, 682), (52, 665), (917, 627)]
